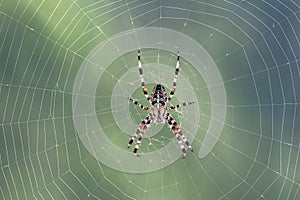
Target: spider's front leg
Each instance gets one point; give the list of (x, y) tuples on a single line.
[(175, 78), (142, 128), (175, 128), (145, 91)]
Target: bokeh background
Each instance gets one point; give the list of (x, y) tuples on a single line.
[(255, 46)]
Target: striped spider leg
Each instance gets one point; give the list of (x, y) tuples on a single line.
[(145, 91), (175, 78), (158, 110), (180, 105), (142, 128), (175, 128)]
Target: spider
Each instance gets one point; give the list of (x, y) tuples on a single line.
[(158, 111)]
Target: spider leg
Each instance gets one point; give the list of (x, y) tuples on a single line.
[(175, 128), (142, 128), (138, 104), (180, 105), (145, 91), (175, 78)]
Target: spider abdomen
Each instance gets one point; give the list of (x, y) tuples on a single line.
[(158, 102)]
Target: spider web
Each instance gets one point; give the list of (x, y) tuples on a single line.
[(45, 45)]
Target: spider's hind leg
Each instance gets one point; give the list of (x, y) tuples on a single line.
[(142, 128), (175, 128)]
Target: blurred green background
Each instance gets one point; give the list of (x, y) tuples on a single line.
[(255, 45)]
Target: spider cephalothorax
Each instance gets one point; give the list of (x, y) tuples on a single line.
[(159, 110)]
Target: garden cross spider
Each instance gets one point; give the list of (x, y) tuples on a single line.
[(159, 111)]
